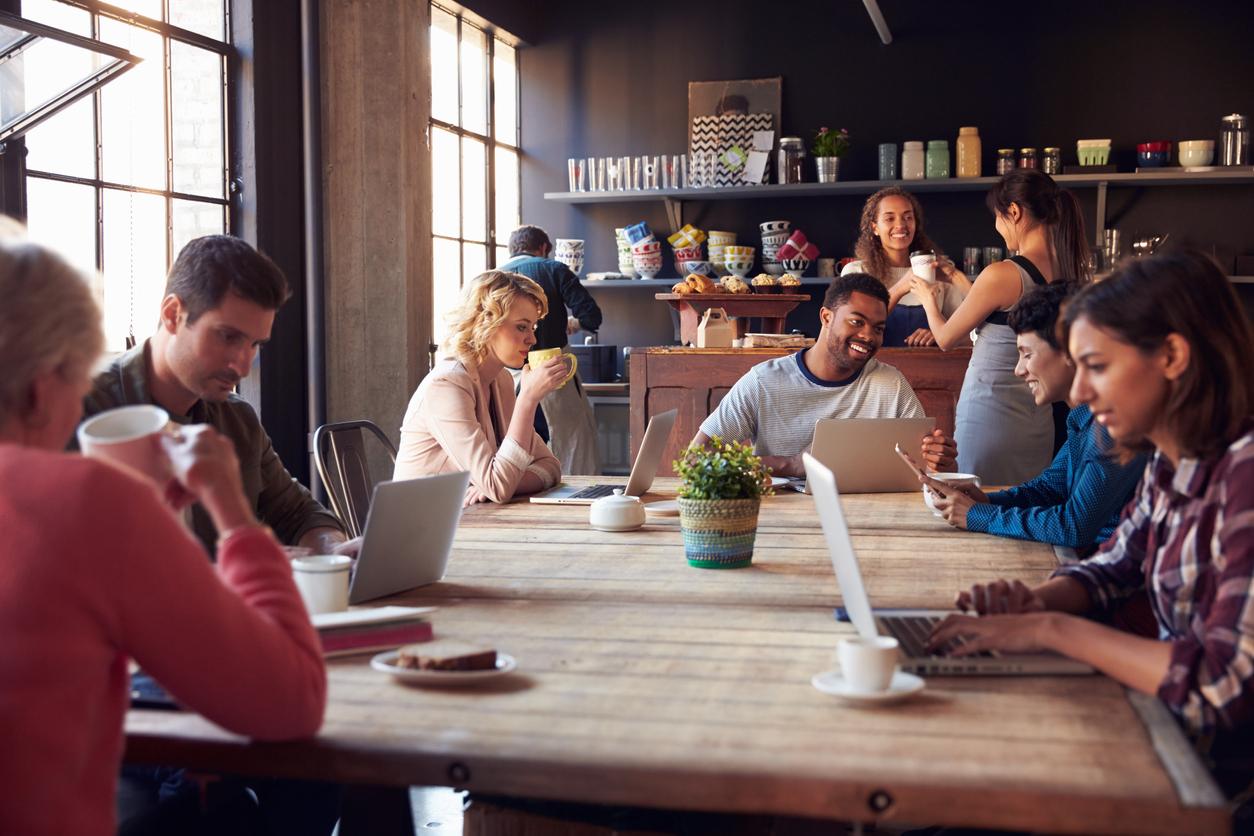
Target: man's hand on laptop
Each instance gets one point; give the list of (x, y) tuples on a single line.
[(939, 451), (790, 466), (998, 598)]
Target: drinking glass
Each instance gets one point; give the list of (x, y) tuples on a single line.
[(594, 185), (992, 255), (577, 173), (971, 261)]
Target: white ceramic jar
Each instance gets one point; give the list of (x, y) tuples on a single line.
[(616, 512), (913, 161)]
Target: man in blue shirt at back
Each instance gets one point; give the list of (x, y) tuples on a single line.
[(1077, 500), (568, 424)]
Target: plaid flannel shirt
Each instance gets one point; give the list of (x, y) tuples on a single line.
[(1188, 537)]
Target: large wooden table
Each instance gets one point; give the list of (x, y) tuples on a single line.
[(644, 682)]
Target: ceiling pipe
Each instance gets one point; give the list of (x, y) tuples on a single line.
[(877, 17)]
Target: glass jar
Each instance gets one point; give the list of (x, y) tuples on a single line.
[(912, 165), (790, 160), (1027, 158), (1051, 162), (937, 158), (1005, 160), (968, 152), (1234, 140)]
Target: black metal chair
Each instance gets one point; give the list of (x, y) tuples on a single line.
[(342, 459)]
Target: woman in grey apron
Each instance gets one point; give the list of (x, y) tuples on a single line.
[(1002, 436)]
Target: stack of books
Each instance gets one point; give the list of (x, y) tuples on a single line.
[(377, 628)]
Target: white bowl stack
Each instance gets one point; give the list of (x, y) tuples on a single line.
[(625, 264), (569, 251), (774, 234)]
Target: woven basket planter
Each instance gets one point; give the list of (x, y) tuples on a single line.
[(718, 533)]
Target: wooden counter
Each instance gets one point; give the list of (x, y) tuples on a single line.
[(694, 381)]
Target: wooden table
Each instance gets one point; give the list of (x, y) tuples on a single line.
[(644, 682), (772, 308)]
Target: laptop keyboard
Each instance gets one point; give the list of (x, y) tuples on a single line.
[(594, 492), (913, 631)]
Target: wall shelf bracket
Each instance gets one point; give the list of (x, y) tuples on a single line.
[(674, 213)]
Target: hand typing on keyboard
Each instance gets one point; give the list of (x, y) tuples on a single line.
[(998, 598), (966, 635)]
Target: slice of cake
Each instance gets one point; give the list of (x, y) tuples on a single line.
[(446, 655)]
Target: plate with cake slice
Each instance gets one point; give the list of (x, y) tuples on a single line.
[(444, 662)]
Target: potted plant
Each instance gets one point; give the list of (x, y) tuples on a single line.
[(723, 484), (829, 146)]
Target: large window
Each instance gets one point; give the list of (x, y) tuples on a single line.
[(121, 180), (474, 154)]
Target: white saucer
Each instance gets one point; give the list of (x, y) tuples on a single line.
[(904, 686), (663, 508), (386, 662)]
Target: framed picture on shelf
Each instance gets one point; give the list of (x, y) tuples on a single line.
[(731, 124)]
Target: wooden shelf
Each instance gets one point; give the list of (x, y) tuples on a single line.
[(809, 280)]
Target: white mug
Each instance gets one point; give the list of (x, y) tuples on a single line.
[(323, 581), (948, 479), (129, 436), (923, 265), (868, 665)]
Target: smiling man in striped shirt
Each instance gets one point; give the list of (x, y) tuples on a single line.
[(777, 403)]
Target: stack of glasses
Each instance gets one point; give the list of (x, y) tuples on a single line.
[(774, 234)]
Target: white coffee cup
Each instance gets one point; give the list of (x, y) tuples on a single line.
[(923, 265), (129, 436), (956, 479), (868, 665), (323, 581)]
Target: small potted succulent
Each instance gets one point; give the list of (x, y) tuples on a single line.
[(828, 147), (722, 488)]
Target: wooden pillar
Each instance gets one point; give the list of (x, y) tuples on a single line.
[(376, 105)]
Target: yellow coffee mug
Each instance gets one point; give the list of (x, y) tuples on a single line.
[(537, 358)]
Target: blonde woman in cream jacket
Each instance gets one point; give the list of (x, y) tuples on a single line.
[(465, 416)]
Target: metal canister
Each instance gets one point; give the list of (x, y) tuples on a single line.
[(1027, 158), (1005, 160), (790, 160), (1051, 163), (1234, 140)]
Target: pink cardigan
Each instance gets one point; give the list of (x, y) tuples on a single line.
[(94, 569), (448, 428)]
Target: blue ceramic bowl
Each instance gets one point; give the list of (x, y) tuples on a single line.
[(1152, 159)]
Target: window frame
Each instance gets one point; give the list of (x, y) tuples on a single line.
[(492, 239), (227, 55)]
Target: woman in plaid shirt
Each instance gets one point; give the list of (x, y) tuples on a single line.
[(1162, 351)]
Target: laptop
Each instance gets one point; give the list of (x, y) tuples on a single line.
[(860, 452), (408, 535), (656, 436), (911, 628)]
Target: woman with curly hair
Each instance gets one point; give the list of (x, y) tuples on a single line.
[(464, 415), (890, 229)]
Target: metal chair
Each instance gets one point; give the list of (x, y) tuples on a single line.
[(343, 464)]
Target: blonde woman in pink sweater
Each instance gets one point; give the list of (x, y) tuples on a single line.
[(464, 415), (96, 569)]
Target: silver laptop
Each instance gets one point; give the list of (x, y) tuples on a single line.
[(643, 471), (408, 535), (911, 628), (860, 451)]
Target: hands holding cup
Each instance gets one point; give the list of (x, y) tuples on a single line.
[(546, 372)]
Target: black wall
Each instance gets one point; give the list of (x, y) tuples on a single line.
[(610, 79)]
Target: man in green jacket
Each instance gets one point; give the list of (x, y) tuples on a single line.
[(220, 300)]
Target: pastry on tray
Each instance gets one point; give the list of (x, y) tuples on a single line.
[(788, 280), (682, 288), (735, 284), (446, 655), (765, 283), (700, 283)]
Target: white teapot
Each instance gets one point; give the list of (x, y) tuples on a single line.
[(616, 512)]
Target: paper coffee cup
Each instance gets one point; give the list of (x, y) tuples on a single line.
[(323, 581), (923, 265), (129, 436)]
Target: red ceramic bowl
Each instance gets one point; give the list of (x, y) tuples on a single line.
[(1154, 147)]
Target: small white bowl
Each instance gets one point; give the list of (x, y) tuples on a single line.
[(1196, 152)]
